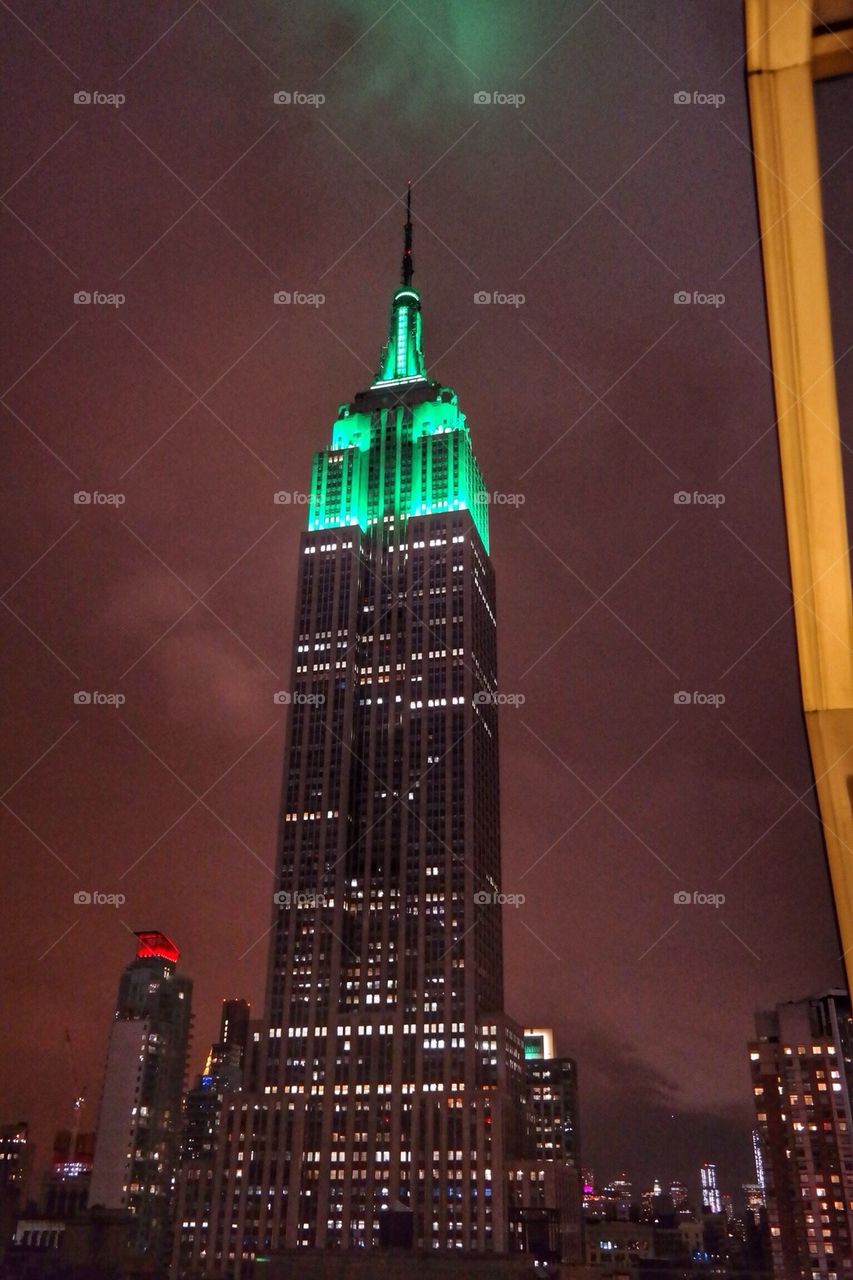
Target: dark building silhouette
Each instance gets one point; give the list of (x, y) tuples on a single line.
[(223, 1073), (16, 1155), (16, 1159)]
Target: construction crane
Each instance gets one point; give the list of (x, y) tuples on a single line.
[(79, 1097)]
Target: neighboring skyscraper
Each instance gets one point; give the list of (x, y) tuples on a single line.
[(647, 1201), (802, 1076), (758, 1157), (754, 1197), (223, 1073), (140, 1116), (391, 1073), (680, 1195), (552, 1093), (712, 1201), (234, 1024), (545, 1189)]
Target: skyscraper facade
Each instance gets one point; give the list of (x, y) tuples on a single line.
[(802, 1078), (139, 1122), (227, 1071), (223, 1073), (758, 1157), (552, 1085), (712, 1201), (390, 1077)]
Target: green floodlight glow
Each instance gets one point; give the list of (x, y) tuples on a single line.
[(403, 355), (398, 461)]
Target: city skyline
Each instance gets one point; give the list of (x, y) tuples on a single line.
[(97, 606)]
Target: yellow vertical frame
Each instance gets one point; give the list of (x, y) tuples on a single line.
[(779, 38)]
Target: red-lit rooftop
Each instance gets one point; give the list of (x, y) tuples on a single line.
[(156, 944)]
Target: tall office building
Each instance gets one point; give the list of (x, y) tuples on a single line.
[(139, 1123), (223, 1073), (234, 1024), (712, 1200), (754, 1198), (758, 1157), (546, 1189), (802, 1078), (649, 1201), (392, 1077), (552, 1095), (680, 1195), (227, 1070), (552, 1098)]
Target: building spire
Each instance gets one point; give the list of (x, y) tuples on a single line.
[(408, 270), (402, 356)]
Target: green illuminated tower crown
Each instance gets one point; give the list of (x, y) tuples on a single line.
[(402, 447)]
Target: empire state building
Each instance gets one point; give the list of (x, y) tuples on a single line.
[(388, 1079)]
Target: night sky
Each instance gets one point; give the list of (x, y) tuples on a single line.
[(591, 403)]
